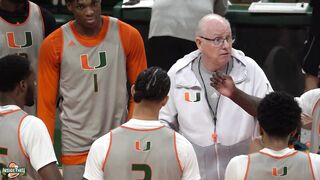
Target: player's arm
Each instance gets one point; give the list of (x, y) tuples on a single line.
[(135, 55), (187, 159), (38, 147), (48, 78), (97, 158), (225, 85), (50, 172)]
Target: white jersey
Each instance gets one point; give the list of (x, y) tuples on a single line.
[(34, 140), (237, 167), (99, 149)]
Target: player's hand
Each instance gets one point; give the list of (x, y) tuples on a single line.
[(223, 84)]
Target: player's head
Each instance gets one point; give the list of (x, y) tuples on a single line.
[(17, 78), (152, 84), (87, 13), (279, 115)]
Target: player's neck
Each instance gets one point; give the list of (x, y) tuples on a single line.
[(275, 144), (7, 99), (145, 111)]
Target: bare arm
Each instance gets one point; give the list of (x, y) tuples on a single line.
[(50, 172), (225, 85)]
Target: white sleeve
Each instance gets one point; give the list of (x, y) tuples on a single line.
[(315, 160), (36, 142), (168, 113), (96, 157), (237, 167), (188, 159)]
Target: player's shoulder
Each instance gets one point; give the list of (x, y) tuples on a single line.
[(125, 27), (34, 122), (101, 141), (182, 141)]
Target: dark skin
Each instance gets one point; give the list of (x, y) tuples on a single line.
[(50, 172), (87, 14), (225, 85)]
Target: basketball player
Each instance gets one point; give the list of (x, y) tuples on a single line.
[(89, 61), (25, 144), (24, 25), (143, 148), (279, 118)]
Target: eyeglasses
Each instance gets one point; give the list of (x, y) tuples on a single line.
[(218, 41)]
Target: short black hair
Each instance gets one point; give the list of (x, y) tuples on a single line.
[(152, 84), (13, 69), (279, 114)]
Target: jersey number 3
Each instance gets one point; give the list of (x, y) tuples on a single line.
[(143, 167)]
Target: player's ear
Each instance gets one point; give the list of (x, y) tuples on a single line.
[(132, 90), (164, 101)]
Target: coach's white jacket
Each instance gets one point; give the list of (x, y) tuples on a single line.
[(235, 127)]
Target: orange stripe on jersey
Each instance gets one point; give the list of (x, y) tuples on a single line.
[(49, 71), (19, 139), (279, 157), (9, 112), (136, 129), (106, 158), (74, 159), (248, 165), (308, 154), (176, 152)]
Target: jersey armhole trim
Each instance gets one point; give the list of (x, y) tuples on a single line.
[(106, 158), (309, 159), (247, 171), (19, 139), (176, 152)]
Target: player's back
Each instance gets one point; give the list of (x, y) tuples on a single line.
[(142, 154)]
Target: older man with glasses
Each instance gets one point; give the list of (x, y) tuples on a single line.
[(218, 128)]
